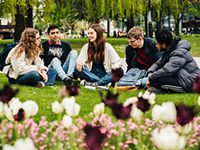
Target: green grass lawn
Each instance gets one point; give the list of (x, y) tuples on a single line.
[(87, 99)]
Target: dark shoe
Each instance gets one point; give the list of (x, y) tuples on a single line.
[(39, 84), (156, 91), (68, 80), (172, 88)]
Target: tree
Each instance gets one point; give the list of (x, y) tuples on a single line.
[(21, 11)]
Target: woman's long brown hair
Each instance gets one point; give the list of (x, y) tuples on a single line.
[(99, 53), (28, 44)]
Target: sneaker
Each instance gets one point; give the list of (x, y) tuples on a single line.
[(156, 91), (67, 80), (39, 84), (84, 82)]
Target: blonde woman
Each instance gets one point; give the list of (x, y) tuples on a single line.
[(26, 67)]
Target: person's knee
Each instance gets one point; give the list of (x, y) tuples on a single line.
[(73, 54), (55, 61)]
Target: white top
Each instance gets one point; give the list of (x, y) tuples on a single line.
[(112, 59)]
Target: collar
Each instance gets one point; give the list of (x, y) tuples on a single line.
[(50, 43)]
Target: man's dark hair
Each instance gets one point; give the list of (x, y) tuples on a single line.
[(165, 36), (51, 27)]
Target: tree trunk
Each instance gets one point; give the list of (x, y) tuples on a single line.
[(19, 24), (108, 28), (146, 26), (130, 23), (29, 19), (177, 27)]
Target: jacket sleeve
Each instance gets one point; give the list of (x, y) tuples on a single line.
[(83, 54), (128, 58), (115, 59), (40, 64), (20, 66), (176, 62)]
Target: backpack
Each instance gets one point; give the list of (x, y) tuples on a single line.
[(5, 52)]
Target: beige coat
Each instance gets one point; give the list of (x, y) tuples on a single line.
[(112, 59), (22, 65)]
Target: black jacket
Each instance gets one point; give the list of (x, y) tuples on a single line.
[(150, 49)]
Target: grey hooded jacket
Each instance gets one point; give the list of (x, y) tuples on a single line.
[(177, 62)]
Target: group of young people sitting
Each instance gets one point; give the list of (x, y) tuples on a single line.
[(164, 64)]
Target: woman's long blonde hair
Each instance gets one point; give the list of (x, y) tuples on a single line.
[(28, 44)]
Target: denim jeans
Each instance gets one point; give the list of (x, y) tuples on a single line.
[(94, 75), (67, 69), (33, 77)]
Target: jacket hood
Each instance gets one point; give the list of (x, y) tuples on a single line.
[(177, 43), (183, 44)]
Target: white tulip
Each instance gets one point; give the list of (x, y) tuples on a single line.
[(168, 139), (1, 109), (140, 94), (57, 107), (31, 108), (8, 113), (21, 144), (165, 113), (8, 147), (184, 129), (152, 98), (129, 101), (71, 107), (15, 105), (99, 109), (24, 144), (13, 100), (67, 121), (199, 100), (136, 113)]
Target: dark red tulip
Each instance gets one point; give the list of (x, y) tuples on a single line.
[(196, 85), (20, 115), (185, 114), (117, 74), (110, 98), (7, 93), (73, 89), (143, 104), (94, 138), (121, 112)]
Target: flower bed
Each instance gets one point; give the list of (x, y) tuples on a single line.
[(172, 124)]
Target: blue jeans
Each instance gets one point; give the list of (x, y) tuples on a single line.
[(95, 75), (33, 77), (67, 69)]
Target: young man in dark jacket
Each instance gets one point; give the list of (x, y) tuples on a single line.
[(141, 53), (59, 55), (176, 70)]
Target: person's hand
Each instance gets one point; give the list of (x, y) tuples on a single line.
[(79, 65), (43, 74), (148, 84)]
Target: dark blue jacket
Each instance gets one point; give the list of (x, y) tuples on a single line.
[(59, 51), (178, 63), (150, 49)]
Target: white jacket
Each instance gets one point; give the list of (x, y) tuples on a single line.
[(22, 65), (112, 59)]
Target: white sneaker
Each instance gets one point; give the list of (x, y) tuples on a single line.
[(83, 82)]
